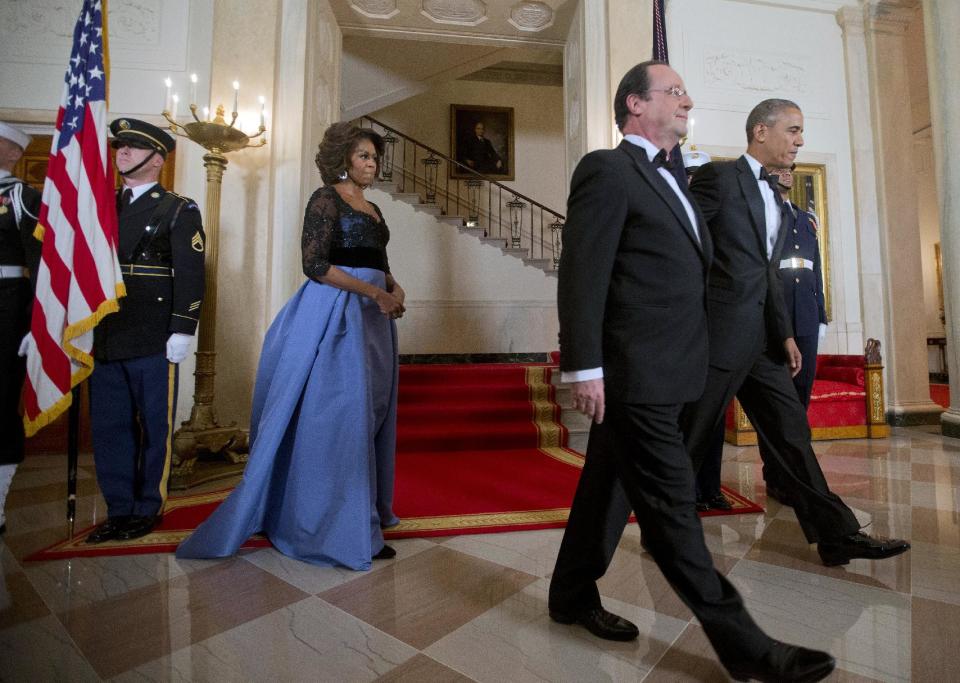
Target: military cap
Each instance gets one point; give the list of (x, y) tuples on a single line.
[(14, 135), (137, 133), (693, 158)]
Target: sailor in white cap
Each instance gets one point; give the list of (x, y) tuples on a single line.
[(19, 256), (693, 160)]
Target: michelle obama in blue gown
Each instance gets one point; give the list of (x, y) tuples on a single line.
[(319, 480)]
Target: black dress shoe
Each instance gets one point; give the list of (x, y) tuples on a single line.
[(719, 502), (859, 545), (786, 663), (107, 531), (136, 527), (386, 553), (599, 622), (778, 494)]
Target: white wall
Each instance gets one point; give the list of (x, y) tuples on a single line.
[(731, 55), (538, 130), (464, 296)]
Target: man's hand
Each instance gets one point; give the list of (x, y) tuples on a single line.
[(177, 346), (794, 359), (588, 398)]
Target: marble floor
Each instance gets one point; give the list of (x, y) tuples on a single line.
[(474, 607)]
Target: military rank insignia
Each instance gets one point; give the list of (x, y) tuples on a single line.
[(197, 241)]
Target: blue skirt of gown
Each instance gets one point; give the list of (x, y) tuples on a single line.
[(319, 479)]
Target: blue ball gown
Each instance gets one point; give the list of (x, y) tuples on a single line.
[(319, 479)]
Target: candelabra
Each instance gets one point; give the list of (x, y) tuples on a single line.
[(202, 434)]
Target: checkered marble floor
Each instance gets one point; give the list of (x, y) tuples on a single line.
[(474, 607)]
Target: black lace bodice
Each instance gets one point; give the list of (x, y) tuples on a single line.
[(333, 232)]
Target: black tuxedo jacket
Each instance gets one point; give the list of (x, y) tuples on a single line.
[(165, 242), (744, 291), (632, 289)]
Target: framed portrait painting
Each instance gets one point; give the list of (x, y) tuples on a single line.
[(481, 138)]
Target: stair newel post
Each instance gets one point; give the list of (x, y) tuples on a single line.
[(556, 231)]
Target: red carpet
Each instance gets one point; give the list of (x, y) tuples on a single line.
[(480, 449), (940, 393)]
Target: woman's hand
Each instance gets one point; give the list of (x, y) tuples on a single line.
[(398, 292), (389, 304)]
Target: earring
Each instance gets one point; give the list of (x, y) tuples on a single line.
[(343, 175)]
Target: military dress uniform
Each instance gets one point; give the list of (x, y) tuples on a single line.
[(803, 294), (19, 257), (133, 387)]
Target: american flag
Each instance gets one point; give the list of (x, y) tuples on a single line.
[(79, 278)]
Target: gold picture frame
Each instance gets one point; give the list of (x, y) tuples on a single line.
[(809, 192), (497, 136)]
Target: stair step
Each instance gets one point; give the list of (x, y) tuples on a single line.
[(431, 209), (519, 252), (476, 232), (495, 241), (408, 197), (541, 263), (452, 220)]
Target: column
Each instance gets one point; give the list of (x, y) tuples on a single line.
[(905, 355), (940, 20), (873, 290)]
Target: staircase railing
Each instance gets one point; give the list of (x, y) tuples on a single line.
[(524, 224)]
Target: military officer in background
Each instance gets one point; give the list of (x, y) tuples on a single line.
[(802, 280), (19, 257), (802, 286), (133, 388)]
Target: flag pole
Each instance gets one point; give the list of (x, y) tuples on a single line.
[(73, 432)]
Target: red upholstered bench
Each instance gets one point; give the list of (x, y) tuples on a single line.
[(847, 402)]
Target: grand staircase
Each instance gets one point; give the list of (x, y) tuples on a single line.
[(477, 205)]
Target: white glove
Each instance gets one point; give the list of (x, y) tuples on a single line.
[(823, 331), (177, 346), (25, 344)]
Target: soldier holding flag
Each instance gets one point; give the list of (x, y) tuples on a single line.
[(19, 253)]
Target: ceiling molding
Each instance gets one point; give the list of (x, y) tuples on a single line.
[(446, 36), (519, 73), (531, 16)]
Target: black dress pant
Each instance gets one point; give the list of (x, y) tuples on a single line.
[(770, 400), (708, 476), (636, 459), (15, 298)]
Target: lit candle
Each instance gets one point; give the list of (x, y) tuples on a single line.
[(206, 113), (166, 102), (236, 96), (193, 88), (176, 105), (690, 129), (263, 103)]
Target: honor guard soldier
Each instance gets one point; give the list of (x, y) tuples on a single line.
[(133, 388), (802, 286), (19, 257)]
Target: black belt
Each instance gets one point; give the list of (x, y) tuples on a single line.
[(358, 257), (149, 271)]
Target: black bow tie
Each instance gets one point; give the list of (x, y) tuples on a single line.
[(772, 180), (661, 161)]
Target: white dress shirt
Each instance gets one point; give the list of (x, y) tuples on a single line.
[(770, 205), (138, 191), (652, 150)]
